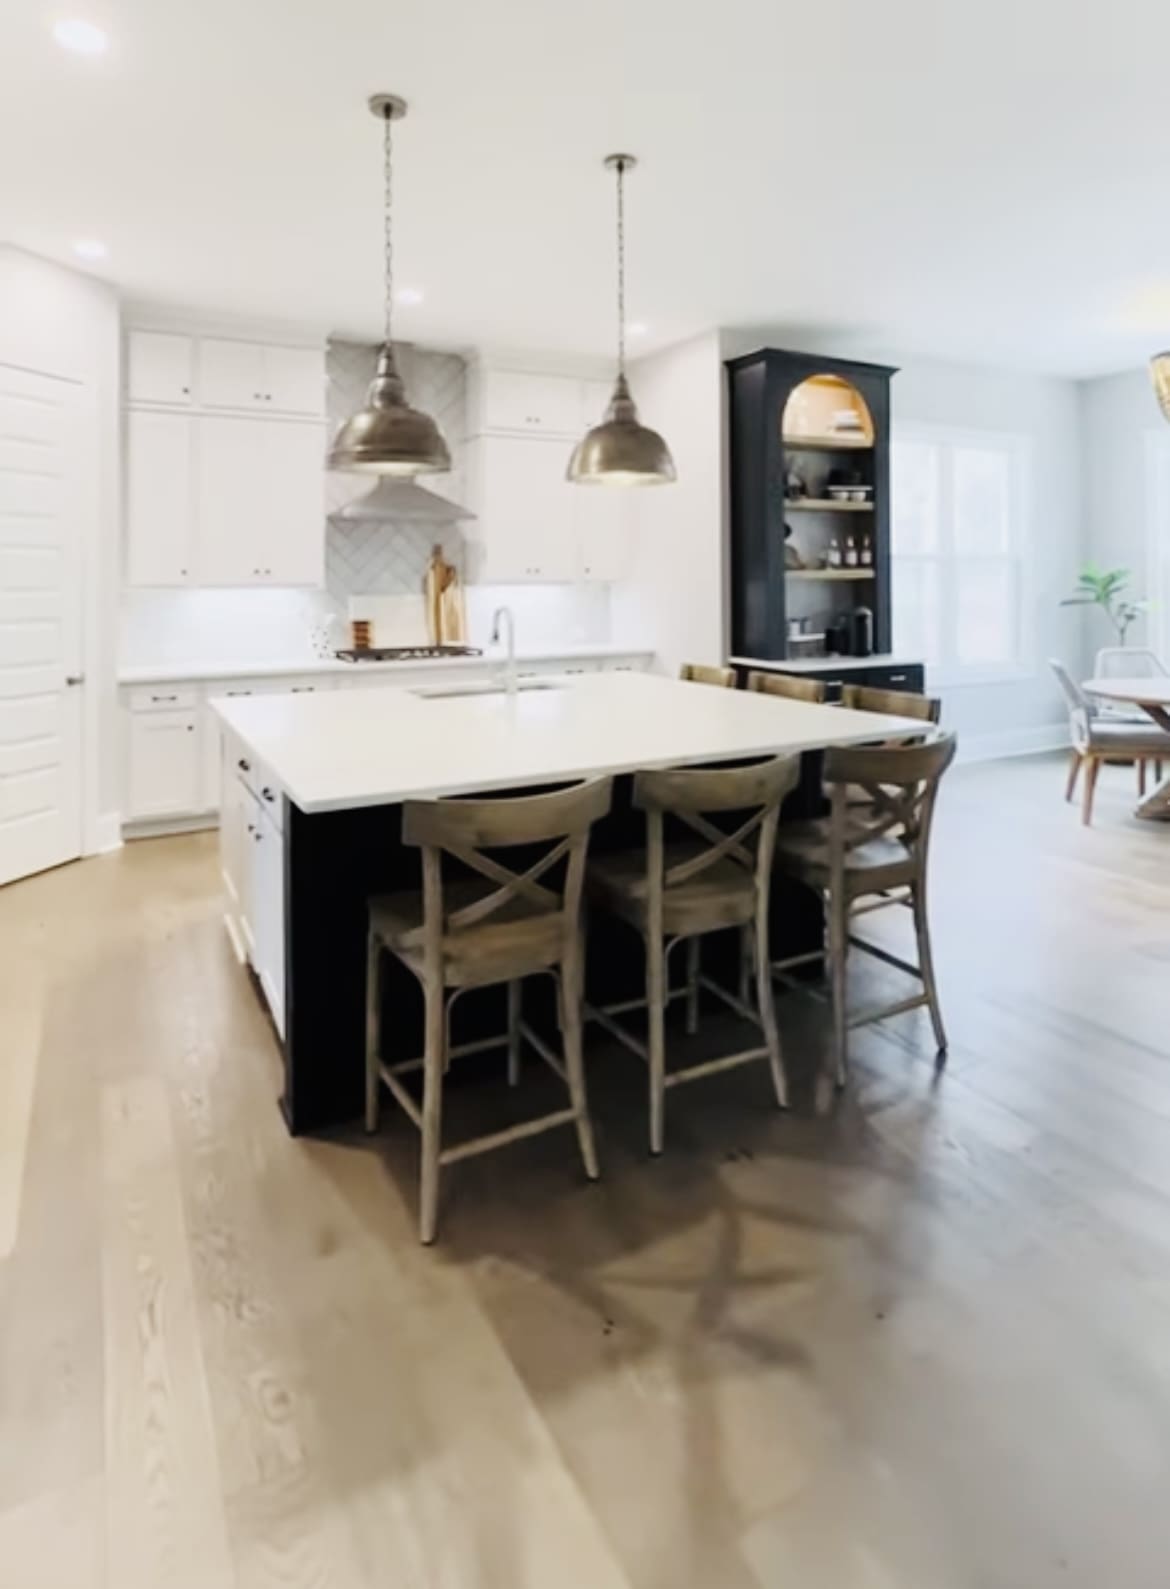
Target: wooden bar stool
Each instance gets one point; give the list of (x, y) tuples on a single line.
[(702, 673), (678, 891), (790, 685), (865, 857), (894, 703), (494, 925)]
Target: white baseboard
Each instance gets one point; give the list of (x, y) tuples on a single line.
[(1012, 742), (164, 826), (107, 833)]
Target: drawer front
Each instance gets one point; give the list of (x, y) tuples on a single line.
[(911, 677), (164, 698)]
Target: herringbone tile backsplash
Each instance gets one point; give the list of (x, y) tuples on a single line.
[(391, 559)]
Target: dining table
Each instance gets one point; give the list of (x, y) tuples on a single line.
[(1153, 696)]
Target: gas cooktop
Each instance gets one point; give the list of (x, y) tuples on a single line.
[(406, 653)]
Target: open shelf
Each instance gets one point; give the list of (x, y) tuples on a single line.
[(830, 573), (825, 505), (839, 443)]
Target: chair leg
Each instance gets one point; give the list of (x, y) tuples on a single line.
[(1092, 771), (838, 949), (1141, 772), (656, 1032), (746, 956), (926, 965), (693, 985), (765, 994), (432, 1112), (1074, 768), (569, 996), (513, 1033), (373, 1044)]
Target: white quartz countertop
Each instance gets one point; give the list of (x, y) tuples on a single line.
[(350, 748), (196, 671), (880, 659)]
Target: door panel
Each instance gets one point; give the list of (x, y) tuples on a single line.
[(294, 380), (44, 476), (159, 488), (228, 507), (231, 374), (159, 367)]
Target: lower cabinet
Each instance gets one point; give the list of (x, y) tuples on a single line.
[(266, 904), (252, 860), (163, 772)]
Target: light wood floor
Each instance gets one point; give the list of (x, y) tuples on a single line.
[(922, 1343)]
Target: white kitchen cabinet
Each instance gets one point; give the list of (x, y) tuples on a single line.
[(159, 368), (526, 515), (163, 775), (159, 498), (266, 907), (604, 529), (596, 397), (294, 380), (525, 402), (260, 516), (260, 377), (533, 524)]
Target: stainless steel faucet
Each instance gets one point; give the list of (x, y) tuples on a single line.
[(510, 663)]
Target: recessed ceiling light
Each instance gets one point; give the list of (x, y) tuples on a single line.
[(84, 38), (89, 248), (637, 328), (409, 295)]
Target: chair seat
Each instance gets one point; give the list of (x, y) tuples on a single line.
[(721, 895), (802, 851), (1128, 739), (519, 938)]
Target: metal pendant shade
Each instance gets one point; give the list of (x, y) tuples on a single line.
[(388, 436), (1160, 375), (621, 451)]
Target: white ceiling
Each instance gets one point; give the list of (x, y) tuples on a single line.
[(982, 180)]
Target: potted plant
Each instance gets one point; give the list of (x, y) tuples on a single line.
[(1106, 589)]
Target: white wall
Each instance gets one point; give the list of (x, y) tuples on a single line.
[(1119, 414), (65, 323), (1024, 711), (674, 597)]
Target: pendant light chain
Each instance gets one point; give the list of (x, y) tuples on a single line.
[(621, 264), (388, 235)]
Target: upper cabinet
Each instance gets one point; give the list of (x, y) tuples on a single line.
[(168, 369), (532, 524), (225, 462), (251, 376), (160, 368)]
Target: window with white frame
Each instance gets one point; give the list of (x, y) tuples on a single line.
[(958, 533)]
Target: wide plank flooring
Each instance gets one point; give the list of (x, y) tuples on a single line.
[(919, 1341)]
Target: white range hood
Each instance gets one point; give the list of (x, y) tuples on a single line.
[(400, 502)]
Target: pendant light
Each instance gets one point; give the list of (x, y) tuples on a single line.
[(1160, 375), (388, 437), (620, 451)]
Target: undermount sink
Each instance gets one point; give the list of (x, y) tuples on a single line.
[(449, 692)]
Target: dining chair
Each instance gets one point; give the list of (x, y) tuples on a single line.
[(707, 877), (494, 924), (1097, 739), (1126, 662), (893, 703), (704, 673), (868, 857), (793, 686), (1129, 662)]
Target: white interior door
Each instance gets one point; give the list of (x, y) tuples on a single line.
[(42, 478)]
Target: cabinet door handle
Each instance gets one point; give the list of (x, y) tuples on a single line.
[(243, 765), (898, 678), (268, 794), (164, 698), (74, 679)]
